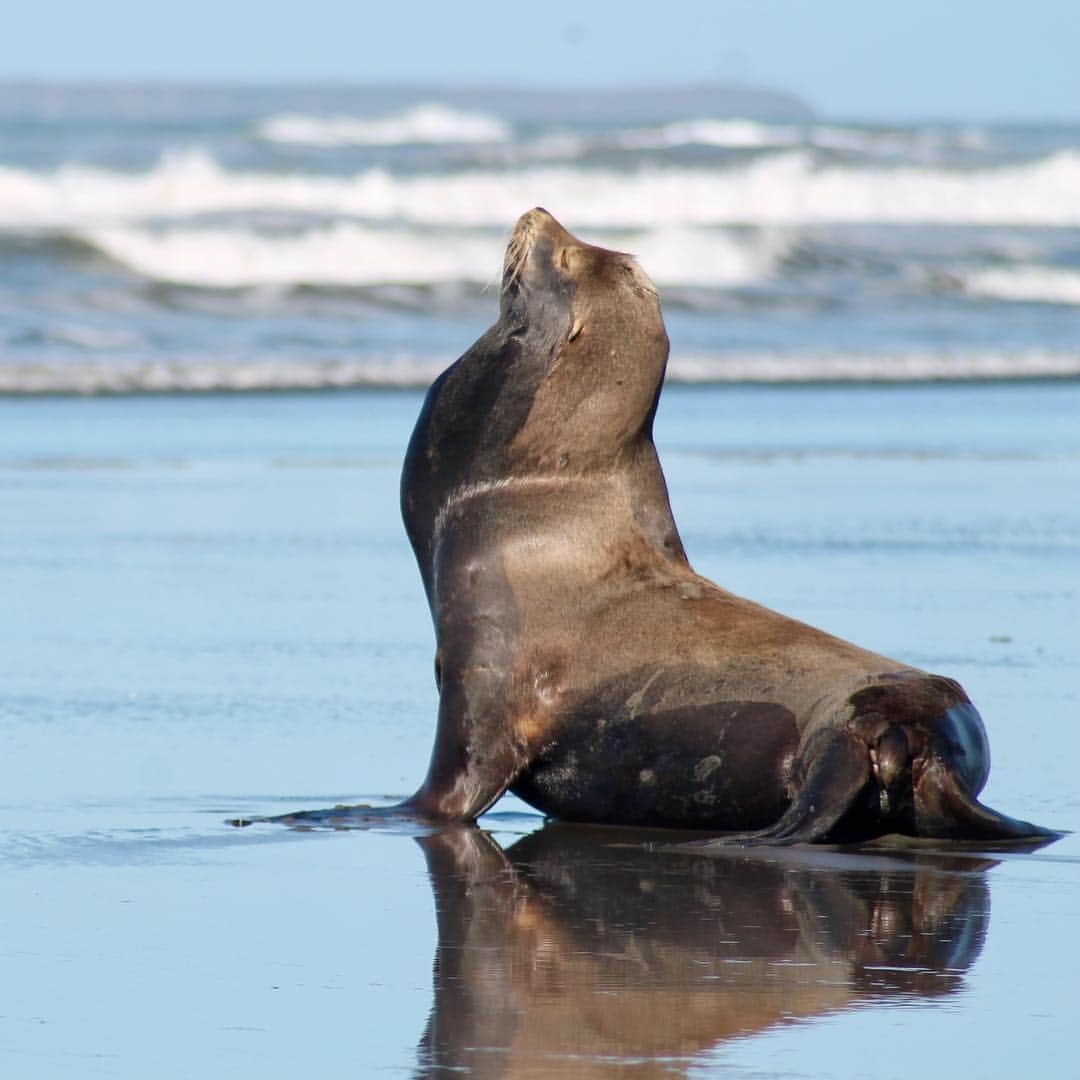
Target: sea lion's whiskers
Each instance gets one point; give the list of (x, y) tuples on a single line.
[(517, 252)]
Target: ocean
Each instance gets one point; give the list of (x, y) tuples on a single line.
[(209, 608), (174, 239)]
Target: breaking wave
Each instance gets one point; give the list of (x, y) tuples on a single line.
[(784, 188), (1025, 284), (430, 123), (756, 135), (734, 134), (341, 255), (357, 256)]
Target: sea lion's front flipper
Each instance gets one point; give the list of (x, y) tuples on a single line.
[(834, 771), (477, 754), (398, 817), (944, 809)]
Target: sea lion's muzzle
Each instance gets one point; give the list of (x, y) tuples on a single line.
[(536, 230)]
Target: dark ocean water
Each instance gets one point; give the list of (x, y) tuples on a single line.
[(184, 239)]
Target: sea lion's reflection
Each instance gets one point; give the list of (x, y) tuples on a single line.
[(578, 949)]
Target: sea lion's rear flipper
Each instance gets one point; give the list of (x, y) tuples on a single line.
[(836, 770), (944, 809)]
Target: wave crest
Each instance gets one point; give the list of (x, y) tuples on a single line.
[(357, 256), (1025, 284), (786, 188), (432, 123), (916, 143)]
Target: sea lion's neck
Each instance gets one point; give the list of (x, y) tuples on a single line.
[(481, 436)]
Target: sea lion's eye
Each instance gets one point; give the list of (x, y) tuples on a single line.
[(564, 259)]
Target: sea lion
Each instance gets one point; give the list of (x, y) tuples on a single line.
[(582, 663)]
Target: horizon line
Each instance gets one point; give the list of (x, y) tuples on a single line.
[(798, 101)]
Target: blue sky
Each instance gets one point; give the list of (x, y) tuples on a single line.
[(916, 58)]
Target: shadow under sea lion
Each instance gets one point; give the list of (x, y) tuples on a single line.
[(582, 663), (571, 955)]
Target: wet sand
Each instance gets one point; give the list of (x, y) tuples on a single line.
[(212, 611)]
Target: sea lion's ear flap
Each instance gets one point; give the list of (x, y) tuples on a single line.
[(575, 330)]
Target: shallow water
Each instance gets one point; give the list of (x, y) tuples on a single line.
[(211, 610)]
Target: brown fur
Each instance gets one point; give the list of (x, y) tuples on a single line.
[(582, 662)]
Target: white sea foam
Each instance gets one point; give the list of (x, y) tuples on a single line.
[(918, 143), (1025, 284), (345, 254), (783, 188), (355, 255), (202, 376), (736, 134), (430, 123), (887, 367), (680, 256)]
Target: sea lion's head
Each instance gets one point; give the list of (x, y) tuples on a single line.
[(592, 319)]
